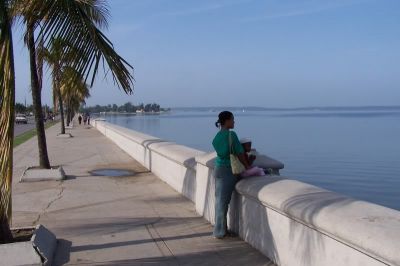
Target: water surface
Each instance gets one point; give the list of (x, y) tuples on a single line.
[(356, 153)]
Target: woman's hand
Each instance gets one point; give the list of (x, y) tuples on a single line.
[(252, 158)]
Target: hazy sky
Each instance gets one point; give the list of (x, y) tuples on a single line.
[(272, 53)]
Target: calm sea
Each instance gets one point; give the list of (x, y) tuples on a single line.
[(356, 153)]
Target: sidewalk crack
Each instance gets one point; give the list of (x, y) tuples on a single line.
[(159, 241), (58, 197)]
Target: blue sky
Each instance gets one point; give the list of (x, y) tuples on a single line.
[(272, 53)]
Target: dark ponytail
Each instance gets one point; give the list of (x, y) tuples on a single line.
[(222, 117)]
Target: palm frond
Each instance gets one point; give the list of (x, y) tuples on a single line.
[(98, 11), (74, 21), (73, 88)]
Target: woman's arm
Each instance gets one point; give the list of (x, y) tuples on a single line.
[(239, 151), (243, 160)]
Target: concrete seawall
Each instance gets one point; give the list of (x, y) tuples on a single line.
[(291, 222)]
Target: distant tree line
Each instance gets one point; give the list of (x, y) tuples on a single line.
[(22, 109), (124, 108)]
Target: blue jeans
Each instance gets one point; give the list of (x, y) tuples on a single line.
[(225, 183)]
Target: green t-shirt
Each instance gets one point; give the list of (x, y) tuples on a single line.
[(221, 146)]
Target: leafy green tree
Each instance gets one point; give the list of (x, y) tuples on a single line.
[(20, 108), (128, 107), (29, 109), (141, 106)]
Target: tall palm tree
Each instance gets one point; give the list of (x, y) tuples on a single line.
[(79, 22), (7, 102), (31, 21), (57, 58), (74, 90)]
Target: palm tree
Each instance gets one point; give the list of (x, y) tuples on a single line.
[(78, 22), (31, 21), (7, 102), (74, 91), (56, 57)]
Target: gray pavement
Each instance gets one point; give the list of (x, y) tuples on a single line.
[(22, 128), (131, 220)]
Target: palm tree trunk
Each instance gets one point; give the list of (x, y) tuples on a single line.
[(7, 103), (60, 103), (68, 115), (57, 91), (66, 109), (5, 232), (37, 99)]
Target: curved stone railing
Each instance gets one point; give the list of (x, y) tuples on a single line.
[(291, 222)]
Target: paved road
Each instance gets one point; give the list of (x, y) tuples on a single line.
[(21, 128)]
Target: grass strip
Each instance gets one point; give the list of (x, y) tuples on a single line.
[(18, 140)]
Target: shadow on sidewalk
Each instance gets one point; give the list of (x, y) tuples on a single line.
[(136, 242), (228, 252), (230, 257), (229, 247), (62, 252), (112, 225)]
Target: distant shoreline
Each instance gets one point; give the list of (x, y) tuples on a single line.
[(265, 109), (316, 108), (131, 113)]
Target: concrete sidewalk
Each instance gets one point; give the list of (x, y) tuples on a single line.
[(130, 220)]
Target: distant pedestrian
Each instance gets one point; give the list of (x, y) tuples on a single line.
[(88, 119), (84, 119), (80, 119)]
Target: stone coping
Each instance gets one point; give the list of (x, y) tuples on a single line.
[(268, 162), (138, 137), (361, 225), (207, 159), (178, 153), (181, 154), (264, 161)]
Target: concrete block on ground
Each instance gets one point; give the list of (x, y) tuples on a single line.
[(64, 136), (21, 253), (32, 174), (45, 244), (38, 251)]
